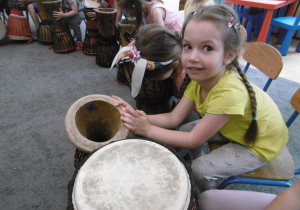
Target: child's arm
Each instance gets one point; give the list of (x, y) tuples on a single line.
[(61, 14), (158, 16), (288, 199), (154, 126)]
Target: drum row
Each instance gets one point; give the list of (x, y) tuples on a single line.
[(101, 37)]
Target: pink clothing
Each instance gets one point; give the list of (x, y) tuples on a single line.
[(172, 20)]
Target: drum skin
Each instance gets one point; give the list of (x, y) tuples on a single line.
[(132, 174), (93, 121)]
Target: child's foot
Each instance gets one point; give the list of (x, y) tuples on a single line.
[(79, 46)]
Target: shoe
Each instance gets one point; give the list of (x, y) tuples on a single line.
[(79, 46)]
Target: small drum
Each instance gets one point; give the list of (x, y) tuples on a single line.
[(127, 29), (2, 30), (94, 121), (17, 24), (134, 174), (45, 31), (107, 46), (154, 95), (62, 38), (92, 34), (106, 51), (106, 18)]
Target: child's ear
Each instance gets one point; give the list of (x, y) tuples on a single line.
[(230, 56)]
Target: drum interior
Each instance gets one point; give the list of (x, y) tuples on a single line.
[(98, 121)]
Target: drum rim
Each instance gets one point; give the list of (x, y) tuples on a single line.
[(81, 142), (101, 10), (189, 202)]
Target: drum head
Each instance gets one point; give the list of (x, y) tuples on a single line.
[(3, 30), (132, 174)]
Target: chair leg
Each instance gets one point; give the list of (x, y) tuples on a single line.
[(282, 36), (269, 34), (298, 48), (249, 29), (286, 43)]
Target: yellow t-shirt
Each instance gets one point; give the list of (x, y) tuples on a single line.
[(230, 96)]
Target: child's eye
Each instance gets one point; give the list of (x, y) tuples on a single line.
[(187, 46), (207, 48)]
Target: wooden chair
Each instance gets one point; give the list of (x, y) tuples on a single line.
[(290, 24), (265, 58), (276, 173)]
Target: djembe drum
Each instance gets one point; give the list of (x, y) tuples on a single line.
[(134, 174), (154, 95), (92, 34), (127, 29), (107, 46), (92, 122), (62, 38), (17, 24), (45, 31)]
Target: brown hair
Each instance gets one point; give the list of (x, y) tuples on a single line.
[(220, 15), (159, 44)]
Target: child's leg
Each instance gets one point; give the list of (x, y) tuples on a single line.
[(229, 160), (33, 13), (75, 25), (197, 152), (234, 199)]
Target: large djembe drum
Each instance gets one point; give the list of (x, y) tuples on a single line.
[(134, 174), (92, 122), (62, 38), (107, 46), (17, 24), (127, 29), (92, 34), (154, 95), (45, 31)]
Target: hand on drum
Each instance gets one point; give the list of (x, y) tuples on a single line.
[(58, 15), (135, 120), (92, 15)]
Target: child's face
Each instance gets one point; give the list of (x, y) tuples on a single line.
[(203, 55)]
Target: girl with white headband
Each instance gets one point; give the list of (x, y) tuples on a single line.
[(151, 68)]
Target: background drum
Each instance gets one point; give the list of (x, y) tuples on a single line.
[(107, 46), (92, 34), (134, 174), (93, 121), (62, 38), (127, 29), (45, 31), (17, 24)]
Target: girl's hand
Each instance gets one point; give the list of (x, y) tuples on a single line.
[(135, 120), (58, 15)]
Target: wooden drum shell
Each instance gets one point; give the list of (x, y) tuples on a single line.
[(90, 117)]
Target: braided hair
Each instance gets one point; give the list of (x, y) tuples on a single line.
[(228, 21)]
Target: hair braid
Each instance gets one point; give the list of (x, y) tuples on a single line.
[(252, 132), (185, 83)]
